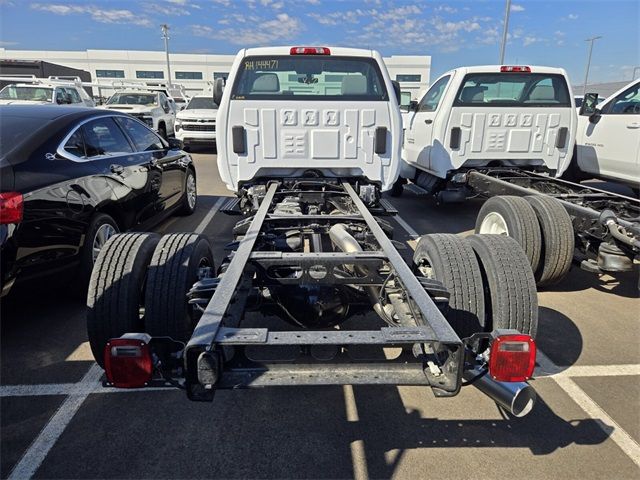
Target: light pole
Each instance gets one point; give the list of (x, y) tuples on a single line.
[(503, 46), (586, 75), (165, 35)]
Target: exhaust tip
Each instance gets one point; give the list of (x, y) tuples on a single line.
[(523, 401)]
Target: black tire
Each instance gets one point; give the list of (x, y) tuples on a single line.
[(186, 207), (172, 273), (521, 222), (98, 222), (398, 188), (558, 240), (510, 296), (162, 131), (453, 262), (116, 289)]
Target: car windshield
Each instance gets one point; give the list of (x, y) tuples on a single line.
[(513, 89), (35, 94), (133, 99), (309, 77), (202, 103)]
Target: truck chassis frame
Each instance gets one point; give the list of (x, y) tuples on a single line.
[(440, 352)]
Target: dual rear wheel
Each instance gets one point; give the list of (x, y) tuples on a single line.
[(489, 279), (541, 226), (139, 284)]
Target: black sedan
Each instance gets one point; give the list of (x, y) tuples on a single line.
[(71, 178)]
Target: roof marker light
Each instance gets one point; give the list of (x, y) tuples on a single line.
[(310, 51), (515, 69)]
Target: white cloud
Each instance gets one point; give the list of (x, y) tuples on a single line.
[(572, 16), (517, 8), (98, 14), (168, 10), (259, 32), (178, 2), (445, 9), (530, 40), (224, 3), (7, 44)]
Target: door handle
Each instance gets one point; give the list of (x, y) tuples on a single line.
[(428, 121), (633, 125), (117, 169)]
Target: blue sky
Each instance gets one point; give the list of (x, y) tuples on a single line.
[(452, 32)]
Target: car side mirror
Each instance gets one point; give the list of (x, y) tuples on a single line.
[(218, 90), (413, 106), (175, 144), (588, 107)]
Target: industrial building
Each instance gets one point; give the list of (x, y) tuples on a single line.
[(193, 70)]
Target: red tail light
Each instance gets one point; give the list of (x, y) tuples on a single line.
[(512, 358), (11, 207), (128, 362), (515, 69), (309, 51)]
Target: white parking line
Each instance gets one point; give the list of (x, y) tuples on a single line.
[(561, 376), (207, 218), (37, 452), (604, 421)]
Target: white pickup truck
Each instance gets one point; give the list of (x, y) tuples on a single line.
[(151, 107), (489, 116), (608, 138), (196, 124)]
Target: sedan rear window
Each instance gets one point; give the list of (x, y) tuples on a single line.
[(309, 78), (513, 90), (104, 137)]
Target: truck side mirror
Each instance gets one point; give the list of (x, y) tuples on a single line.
[(218, 89), (413, 106), (589, 103)]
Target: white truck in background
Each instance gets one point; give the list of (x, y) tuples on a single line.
[(507, 133), (608, 138), (30, 90), (196, 124), (152, 107), (489, 116)]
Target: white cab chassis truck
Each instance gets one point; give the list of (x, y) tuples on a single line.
[(507, 133), (312, 283), (608, 138)]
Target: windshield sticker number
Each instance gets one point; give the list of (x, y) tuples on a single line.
[(261, 65)]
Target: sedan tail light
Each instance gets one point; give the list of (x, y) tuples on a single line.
[(11, 207), (128, 362), (512, 358)]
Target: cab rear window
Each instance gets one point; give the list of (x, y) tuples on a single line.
[(309, 78), (513, 90)]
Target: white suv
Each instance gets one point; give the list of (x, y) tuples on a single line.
[(197, 122), (151, 107), (45, 93)]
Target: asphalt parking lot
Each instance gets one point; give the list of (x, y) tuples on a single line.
[(58, 422)]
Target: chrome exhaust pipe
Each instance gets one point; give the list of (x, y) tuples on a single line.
[(341, 238), (517, 398)]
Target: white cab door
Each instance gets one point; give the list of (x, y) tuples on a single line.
[(419, 132), (610, 143)]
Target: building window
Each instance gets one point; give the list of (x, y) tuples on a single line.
[(188, 75), (110, 73), (222, 75), (408, 78), (149, 74)]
